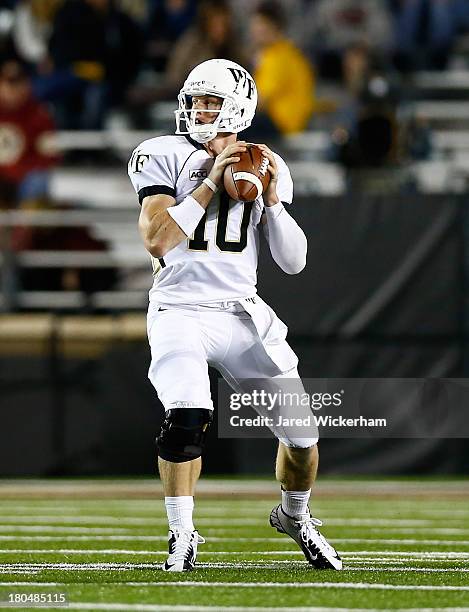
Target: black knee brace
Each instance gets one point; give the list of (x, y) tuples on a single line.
[(182, 434)]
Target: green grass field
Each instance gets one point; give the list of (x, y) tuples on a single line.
[(404, 544)]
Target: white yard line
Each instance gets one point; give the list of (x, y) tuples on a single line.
[(269, 585), (83, 519), (197, 608), (34, 525), (28, 572), (50, 527), (371, 565), (401, 541), (418, 570), (87, 551), (153, 510), (78, 567), (272, 565), (163, 538), (99, 538), (61, 518), (350, 555), (65, 529), (378, 561), (228, 521), (431, 555), (269, 566), (406, 553), (127, 565)]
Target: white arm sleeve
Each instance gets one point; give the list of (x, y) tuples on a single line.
[(287, 241)]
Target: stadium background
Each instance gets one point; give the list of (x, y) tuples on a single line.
[(381, 182)]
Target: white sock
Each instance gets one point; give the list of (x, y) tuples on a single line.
[(179, 510), (295, 503)]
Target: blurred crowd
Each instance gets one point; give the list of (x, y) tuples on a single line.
[(73, 64), (87, 57), (76, 61)]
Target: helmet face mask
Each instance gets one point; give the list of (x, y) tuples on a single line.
[(223, 79)]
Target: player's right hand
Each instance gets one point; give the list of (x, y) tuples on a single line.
[(225, 158)]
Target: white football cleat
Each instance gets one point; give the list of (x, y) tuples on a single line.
[(318, 552), (182, 545)]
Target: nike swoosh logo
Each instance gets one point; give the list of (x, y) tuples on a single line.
[(167, 566)]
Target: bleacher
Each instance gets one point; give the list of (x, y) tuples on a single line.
[(101, 197)]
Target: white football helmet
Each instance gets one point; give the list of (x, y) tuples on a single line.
[(227, 80)]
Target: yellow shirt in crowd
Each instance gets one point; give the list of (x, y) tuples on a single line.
[(285, 81)]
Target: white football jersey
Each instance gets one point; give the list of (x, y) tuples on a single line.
[(219, 261)]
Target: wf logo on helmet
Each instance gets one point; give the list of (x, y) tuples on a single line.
[(241, 76)]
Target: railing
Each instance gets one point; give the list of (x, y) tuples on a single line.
[(132, 256)]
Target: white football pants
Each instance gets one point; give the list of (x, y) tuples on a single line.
[(242, 339)]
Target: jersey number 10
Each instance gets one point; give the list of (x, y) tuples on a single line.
[(199, 243)]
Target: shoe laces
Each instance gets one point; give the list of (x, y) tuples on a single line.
[(310, 534), (181, 546)]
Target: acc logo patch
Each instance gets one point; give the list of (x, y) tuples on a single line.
[(197, 175)]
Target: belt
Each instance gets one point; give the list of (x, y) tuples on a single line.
[(224, 305)]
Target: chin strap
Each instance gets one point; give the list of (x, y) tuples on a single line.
[(201, 140), (203, 136)]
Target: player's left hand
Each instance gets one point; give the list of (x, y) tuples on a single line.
[(270, 196)]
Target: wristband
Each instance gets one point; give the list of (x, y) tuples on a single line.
[(187, 214), (210, 184)]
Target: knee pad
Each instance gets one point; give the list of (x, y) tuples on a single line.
[(182, 434)]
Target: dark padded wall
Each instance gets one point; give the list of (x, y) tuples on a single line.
[(376, 266), (382, 296)]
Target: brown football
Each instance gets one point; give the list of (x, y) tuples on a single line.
[(247, 179)]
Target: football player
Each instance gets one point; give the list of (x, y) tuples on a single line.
[(204, 309)]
